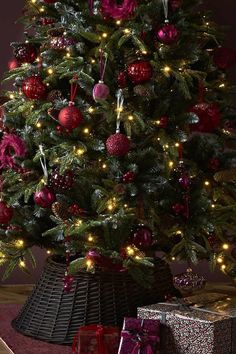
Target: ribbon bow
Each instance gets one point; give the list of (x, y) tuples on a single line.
[(143, 341)]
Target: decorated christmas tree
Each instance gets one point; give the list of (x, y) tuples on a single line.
[(118, 138)]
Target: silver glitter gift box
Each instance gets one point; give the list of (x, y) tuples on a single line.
[(193, 330)]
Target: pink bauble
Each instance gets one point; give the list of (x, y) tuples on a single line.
[(70, 117), (118, 145), (44, 198), (13, 64), (100, 91), (167, 34)]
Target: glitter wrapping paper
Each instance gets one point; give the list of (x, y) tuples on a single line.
[(140, 336), (208, 330)]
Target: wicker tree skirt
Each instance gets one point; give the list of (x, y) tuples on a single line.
[(102, 298)]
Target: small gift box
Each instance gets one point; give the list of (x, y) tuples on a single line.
[(195, 330), (140, 336), (96, 339)]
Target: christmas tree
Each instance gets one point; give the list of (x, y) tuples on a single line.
[(118, 139)]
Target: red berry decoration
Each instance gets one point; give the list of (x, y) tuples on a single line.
[(6, 213), (13, 64), (167, 34), (34, 88), (122, 79), (61, 43), (62, 181), (209, 117), (70, 117), (129, 177), (44, 198), (224, 57), (175, 4), (75, 210), (142, 237), (25, 53), (139, 72), (163, 122), (118, 145)]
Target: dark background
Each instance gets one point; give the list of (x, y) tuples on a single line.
[(224, 13)]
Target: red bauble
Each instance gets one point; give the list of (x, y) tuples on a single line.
[(6, 213), (46, 21), (167, 34), (175, 4), (62, 181), (70, 117), (61, 43), (44, 198), (142, 237), (224, 57), (179, 209), (209, 117), (163, 122), (122, 79), (129, 177), (25, 53), (13, 64), (34, 88), (139, 71), (118, 145)]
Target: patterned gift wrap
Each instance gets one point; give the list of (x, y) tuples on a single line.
[(140, 337), (191, 330), (96, 339)]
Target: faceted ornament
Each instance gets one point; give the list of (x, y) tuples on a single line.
[(118, 145), (139, 72), (189, 281), (167, 34)]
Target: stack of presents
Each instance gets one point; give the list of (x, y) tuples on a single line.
[(200, 324)]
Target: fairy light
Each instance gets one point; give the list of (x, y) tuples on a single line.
[(130, 251), (223, 267), (68, 55), (222, 85), (39, 125), (220, 260), (80, 152), (22, 264), (166, 146), (213, 206), (104, 166), (90, 238), (104, 35), (127, 31), (42, 9), (86, 131), (19, 243), (131, 118), (32, 106), (207, 183), (89, 263), (173, 258), (78, 222), (93, 61), (171, 164), (179, 233), (167, 69), (125, 205), (225, 246), (49, 251), (33, 1), (144, 52), (38, 59), (177, 145), (12, 96), (50, 71), (138, 257), (91, 110), (118, 22), (110, 206)]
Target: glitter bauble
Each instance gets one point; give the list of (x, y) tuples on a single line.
[(68, 283), (209, 117), (139, 71), (44, 198), (189, 281), (63, 181), (6, 213), (129, 177), (61, 43), (142, 237), (25, 53), (167, 34), (118, 145), (70, 117), (34, 88), (100, 91)]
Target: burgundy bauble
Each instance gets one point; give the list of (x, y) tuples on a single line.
[(175, 4), (179, 209), (122, 79), (34, 88), (100, 91), (224, 57), (44, 198), (60, 181), (139, 71), (68, 283), (142, 237), (70, 117), (129, 177), (118, 145), (189, 281), (25, 53), (167, 34), (61, 43), (13, 64), (163, 122), (209, 117), (6, 213)]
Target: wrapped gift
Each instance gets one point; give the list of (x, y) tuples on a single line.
[(195, 330), (96, 339), (140, 336)]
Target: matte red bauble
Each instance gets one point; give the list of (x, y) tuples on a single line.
[(44, 198), (25, 53), (6, 213), (142, 237), (209, 117), (122, 79), (63, 181), (129, 177), (139, 71), (34, 88), (13, 64), (70, 117), (175, 4), (118, 145), (100, 91), (167, 34), (224, 57)]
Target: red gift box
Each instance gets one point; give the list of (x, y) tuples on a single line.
[(96, 339)]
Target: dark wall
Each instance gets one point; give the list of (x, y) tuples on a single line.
[(224, 13)]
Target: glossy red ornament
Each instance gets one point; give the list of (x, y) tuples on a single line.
[(44, 198), (122, 79), (34, 88), (129, 177), (142, 237), (163, 122), (139, 71), (13, 64), (70, 117), (175, 4), (63, 181), (224, 57), (25, 53), (118, 145), (100, 91), (209, 117), (167, 34), (6, 213)]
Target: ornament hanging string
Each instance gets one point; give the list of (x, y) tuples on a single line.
[(74, 89), (103, 64), (43, 162), (166, 8), (120, 105)]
